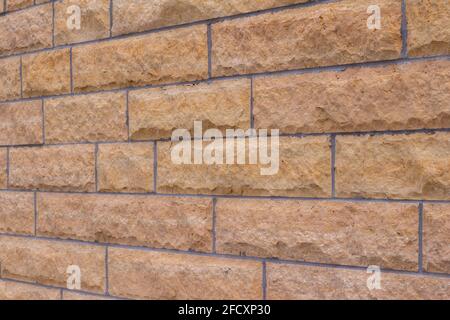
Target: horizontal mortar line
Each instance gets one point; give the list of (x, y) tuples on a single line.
[(237, 197), (283, 135), (171, 27), (219, 255), (299, 71), (47, 286)]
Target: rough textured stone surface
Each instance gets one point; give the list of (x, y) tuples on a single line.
[(158, 222), (139, 15), (3, 165), (126, 167), (383, 234), (428, 31), (94, 23), (170, 56), (61, 168), (17, 212), (21, 291), (93, 117), (156, 113), (304, 171), (394, 166), (47, 262), (358, 99), (46, 73), (26, 30), (18, 4), (320, 35), (68, 295), (9, 78), (436, 238), (304, 282), (21, 123), (155, 275)]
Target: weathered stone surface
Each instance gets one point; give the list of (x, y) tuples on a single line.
[(406, 96), (125, 167), (70, 295), (94, 23), (140, 15), (61, 168), (3, 165), (156, 113), (21, 123), (156, 275), (46, 73), (158, 222), (47, 262), (21, 291), (93, 117), (18, 4), (304, 282), (26, 30), (383, 234), (304, 170), (170, 56), (319, 35), (9, 78), (2, 6), (17, 212), (428, 31), (394, 166), (436, 238)]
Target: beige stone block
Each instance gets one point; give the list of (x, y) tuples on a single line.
[(158, 222), (167, 276)]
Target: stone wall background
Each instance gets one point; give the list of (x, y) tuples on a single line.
[(85, 171)]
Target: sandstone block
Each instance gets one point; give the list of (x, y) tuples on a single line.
[(17, 212), (9, 78), (94, 23), (21, 291), (428, 31), (46, 73), (60, 168), (12, 5), (26, 30), (158, 222), (47, 262), (21, 123), (400, 97), (170, 56), (436, 238), (346, 233), (156, 275), (304, 170), (3, 168), (394, 166), (125, 167), (140, 15), (305, 283), (156, 113), (320, 35), (93, 117)]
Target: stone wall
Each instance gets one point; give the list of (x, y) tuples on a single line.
[(87, 179)]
